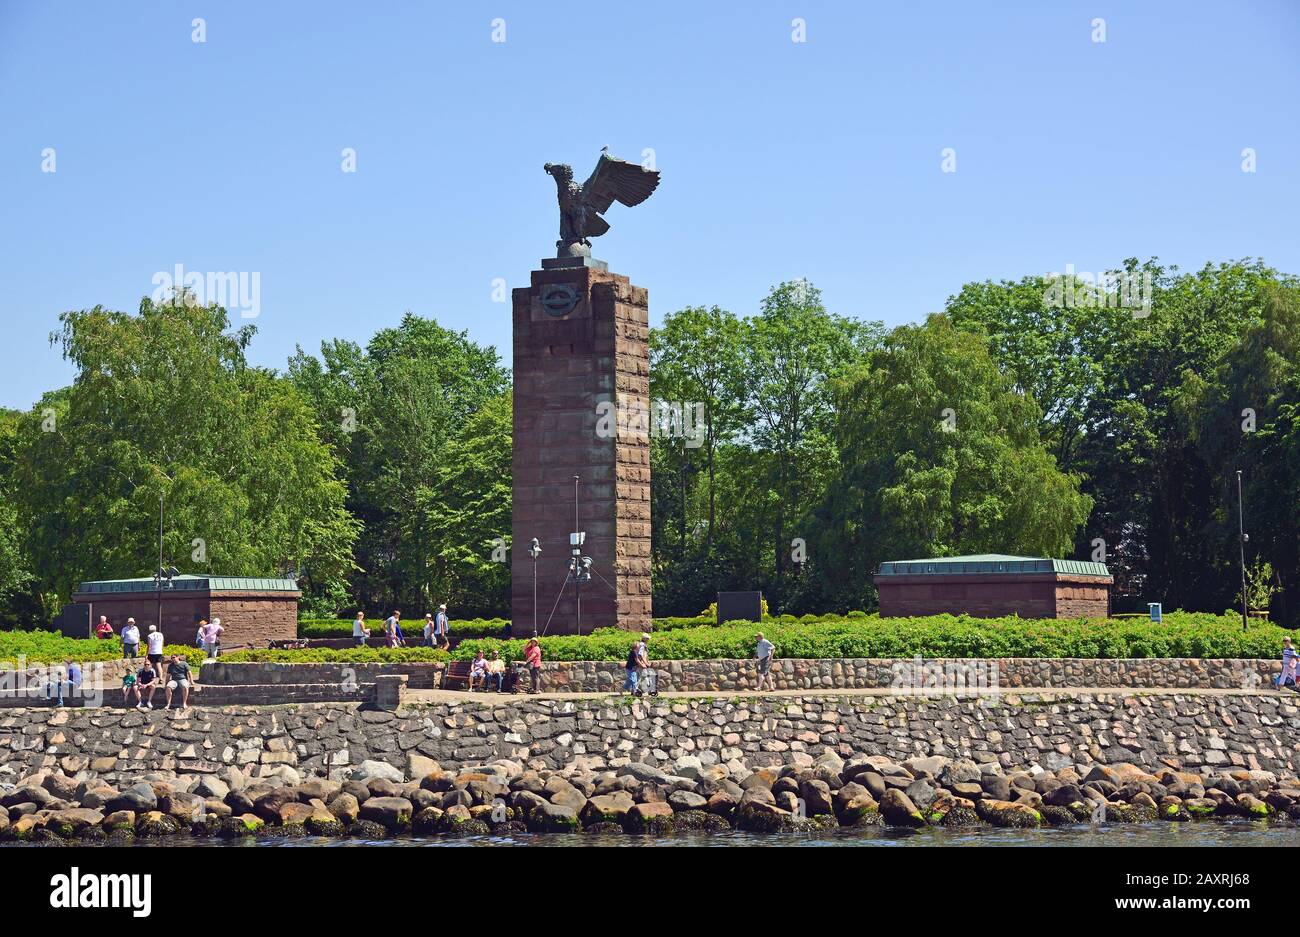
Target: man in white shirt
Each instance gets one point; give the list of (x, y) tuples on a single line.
[(130, 640), (155, 640)]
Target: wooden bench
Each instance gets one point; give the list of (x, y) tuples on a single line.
[(456, 676)]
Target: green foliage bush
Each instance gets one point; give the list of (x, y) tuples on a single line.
[(411, 627), (51, 646), (351, 655), (1181, 634)]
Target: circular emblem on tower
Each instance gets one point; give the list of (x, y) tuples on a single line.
[(558, 299)]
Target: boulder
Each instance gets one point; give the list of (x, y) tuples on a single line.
[(687, 800), (182, 807), (547, 817), (139, 798), (654, 817), (898, 810), (996, 787), (121, 819), (1007, 814), (392, 813), (269, 805), (816, 795), (921, 793), (368, 770), (211, 787), (345, 809), (607, 808)]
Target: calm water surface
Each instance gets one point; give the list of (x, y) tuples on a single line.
[(1230, 833)]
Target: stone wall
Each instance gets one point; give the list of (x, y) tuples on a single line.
[(881, 673), (421, 675), (1255, 731)]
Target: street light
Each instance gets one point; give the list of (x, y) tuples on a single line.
[(535, 550), (1241, 542)]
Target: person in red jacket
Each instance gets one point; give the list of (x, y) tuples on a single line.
[(103, 629), (533, 658)]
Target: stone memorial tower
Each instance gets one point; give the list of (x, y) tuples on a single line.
[(581, 405)]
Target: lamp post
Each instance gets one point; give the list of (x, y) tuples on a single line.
[(158, 575), (1241, 543), (535, 550)]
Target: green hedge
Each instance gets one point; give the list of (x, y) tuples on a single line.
[(1181, 634), (351, 655), (411, 627), (40, 647)]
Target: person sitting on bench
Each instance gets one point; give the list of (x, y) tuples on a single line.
[(478, 672)]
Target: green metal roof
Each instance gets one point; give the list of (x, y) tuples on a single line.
[(194, 583), (990, 564)]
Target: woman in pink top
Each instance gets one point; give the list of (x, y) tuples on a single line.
[(533, 658)]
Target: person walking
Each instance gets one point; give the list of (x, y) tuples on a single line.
[(428, 630), (1290, 666), (533, 658), (359, 630), (130, 640), (442, 628), (212, 639), (393, 629), (763, 652), (631, 670)]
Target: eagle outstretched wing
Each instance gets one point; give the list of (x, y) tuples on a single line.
[(616, 179)]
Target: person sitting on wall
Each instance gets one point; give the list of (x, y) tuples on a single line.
[(146, 684), (359, 630), (128, 686), (178, 678), (103, 630), (478, 672), (496, 670)]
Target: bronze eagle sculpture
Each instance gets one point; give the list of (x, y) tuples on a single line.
[(612, 180)]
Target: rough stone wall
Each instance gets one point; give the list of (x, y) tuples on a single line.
[(564, 366), (1185, 731), (865, 673)]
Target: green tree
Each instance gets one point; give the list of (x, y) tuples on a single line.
[(165, 405), (940, 455), (400, 413)]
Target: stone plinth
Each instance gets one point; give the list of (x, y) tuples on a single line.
[(581, 360)]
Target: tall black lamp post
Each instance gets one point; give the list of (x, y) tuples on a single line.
[(1241, 543)]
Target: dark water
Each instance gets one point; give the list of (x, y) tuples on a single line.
[(1226, 833)]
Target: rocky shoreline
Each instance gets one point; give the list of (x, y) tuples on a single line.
[(805, 794)]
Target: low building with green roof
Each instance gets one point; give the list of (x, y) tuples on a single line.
[(993, 585), (253, 610)]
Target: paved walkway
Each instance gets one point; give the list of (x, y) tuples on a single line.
[(463, 696)]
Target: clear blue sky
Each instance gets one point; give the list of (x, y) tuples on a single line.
[(780, 159)]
